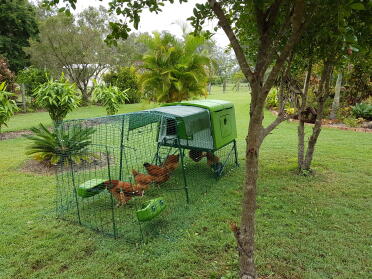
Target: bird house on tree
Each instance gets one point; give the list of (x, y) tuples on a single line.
[(143, 167)]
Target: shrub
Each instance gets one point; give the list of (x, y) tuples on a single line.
[(351, 122), (7, 106), (125, 78), (344, 112), (110, 96), (272, 99), (362, 110), (59, 146), (32, 78), (6, 75), (58, 97)]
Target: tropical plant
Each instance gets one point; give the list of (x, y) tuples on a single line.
[(109, 96), (7, 106), (61, 145), (272, 99), (32, 77), (175, 70), (362, 110), (58, 97), (125, 78)]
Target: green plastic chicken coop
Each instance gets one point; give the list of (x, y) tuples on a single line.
[(199, 134)]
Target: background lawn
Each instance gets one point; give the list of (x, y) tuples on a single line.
[(307, 227)]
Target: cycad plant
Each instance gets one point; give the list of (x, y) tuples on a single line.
[(7, 106), (175, 70), (61, 145), (109, 96)]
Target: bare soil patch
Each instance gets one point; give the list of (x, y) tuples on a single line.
[(35, 167), (15, 134)]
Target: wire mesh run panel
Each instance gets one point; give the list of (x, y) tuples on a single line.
[(128, 175)]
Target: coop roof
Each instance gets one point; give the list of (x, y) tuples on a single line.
[(211, 105), (194, 118)]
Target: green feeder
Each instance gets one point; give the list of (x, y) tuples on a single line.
[(151, 209), (91, 188)]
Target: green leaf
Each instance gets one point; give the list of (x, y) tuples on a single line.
[(357, 6)]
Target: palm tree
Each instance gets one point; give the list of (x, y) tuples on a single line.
[(175, 70)]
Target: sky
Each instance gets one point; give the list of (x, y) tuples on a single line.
[(166, 20)]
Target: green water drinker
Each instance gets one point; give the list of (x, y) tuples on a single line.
[(151, 209), (91, 188)]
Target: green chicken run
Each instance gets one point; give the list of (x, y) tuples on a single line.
[(192, 143)]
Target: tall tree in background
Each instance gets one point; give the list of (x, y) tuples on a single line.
[(72, 45), (17, 25)]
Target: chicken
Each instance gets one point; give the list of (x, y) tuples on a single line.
[(123, 191), (159, 174), (142, 180), (196, 155), (212, 159), (171, 162)]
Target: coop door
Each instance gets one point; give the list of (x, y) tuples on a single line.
[(225, 125)]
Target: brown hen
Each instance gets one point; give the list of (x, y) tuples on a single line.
[(159, 174)]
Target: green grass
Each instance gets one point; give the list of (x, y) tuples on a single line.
[(307, 227)]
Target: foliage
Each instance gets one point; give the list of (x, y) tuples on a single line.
[(59, 146), (272, 99), (237, 78), (110, 96), (351, 122), (17, 25), (358, 84), (362, 110), (174, 69), (58, 97), (7, 106), (6, 75), (344, 112), (32, 77), (129, 52), (125, 78), (74, 45)]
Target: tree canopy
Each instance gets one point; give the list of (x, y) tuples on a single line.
[(17, 25), (72, 45)]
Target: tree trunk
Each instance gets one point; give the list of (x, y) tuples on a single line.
[(24, 101), (323, 94), (224, 86), (245, 235), (84, 95), (209, 88), (301, 123), (336, 99), (314, 136)]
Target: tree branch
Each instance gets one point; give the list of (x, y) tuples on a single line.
[(280, 118), (297, 27), (226, 26)]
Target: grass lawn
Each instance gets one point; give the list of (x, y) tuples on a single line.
[(307, 227)]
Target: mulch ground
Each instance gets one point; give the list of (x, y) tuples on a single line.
[(13, 135), (35, 167)]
